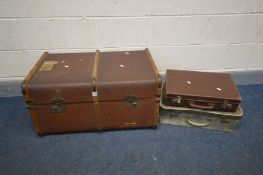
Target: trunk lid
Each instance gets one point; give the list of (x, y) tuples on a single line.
[(65, 77), (126, 74)]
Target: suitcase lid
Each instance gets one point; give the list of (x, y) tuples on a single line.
[(126, 74), (201, 86), (65, 77)]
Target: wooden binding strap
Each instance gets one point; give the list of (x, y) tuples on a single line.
[(158, 77), (94, 74), (35, 121), (94, 90), (24, 88), (154, 67), (30, 75)]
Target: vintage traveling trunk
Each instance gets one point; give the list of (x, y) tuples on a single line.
[(201, 90), (93, 91)]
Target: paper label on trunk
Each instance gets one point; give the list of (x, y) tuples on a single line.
[(47, 66)]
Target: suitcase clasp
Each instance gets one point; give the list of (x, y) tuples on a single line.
[(178, 99), (132, 102), (227, 105)]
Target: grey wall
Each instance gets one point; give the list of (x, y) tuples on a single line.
[(181, 34)]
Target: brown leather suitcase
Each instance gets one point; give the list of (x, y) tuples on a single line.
[(201, 90), (93, 91)]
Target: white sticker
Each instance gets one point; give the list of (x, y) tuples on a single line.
[(94, 94)]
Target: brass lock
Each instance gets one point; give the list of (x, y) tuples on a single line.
[(132, 102), (57, 106)]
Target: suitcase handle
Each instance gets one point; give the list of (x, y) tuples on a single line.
[(198, 123), (208, 106)]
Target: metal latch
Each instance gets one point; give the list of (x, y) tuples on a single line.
[(178, 99), (132, 102), (57, 106), (227, 105)]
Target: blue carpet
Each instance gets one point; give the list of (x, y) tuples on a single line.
[(166, 150)]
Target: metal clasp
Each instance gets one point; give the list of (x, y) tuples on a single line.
[(132, 102), (227, 105), (178, 99), (57, 106)]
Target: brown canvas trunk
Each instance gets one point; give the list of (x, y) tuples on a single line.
[(201, 90), (93, 91)]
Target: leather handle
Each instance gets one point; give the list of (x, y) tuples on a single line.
[(207, 106), (197, 123)]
